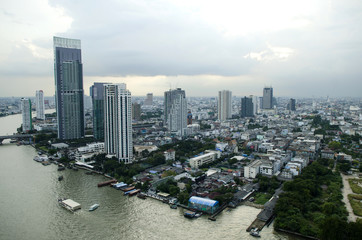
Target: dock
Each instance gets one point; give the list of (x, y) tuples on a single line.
[(69, 204), (218, 211)]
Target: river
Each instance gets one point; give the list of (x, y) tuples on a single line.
[(29, 208)]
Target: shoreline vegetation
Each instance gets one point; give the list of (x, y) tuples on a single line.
[(312, 206)]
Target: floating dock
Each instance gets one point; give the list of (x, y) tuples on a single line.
[(69, 204)]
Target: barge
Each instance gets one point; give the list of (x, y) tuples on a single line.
[(102, 184), (69, 204)]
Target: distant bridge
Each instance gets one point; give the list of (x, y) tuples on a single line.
[(16, 136)]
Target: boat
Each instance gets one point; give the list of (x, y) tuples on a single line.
[(189, 214), (94, 207), (69, 204), (89, 173), (199, 214), (102, 184), (134, 192), (128, 189), (254, 232), (141, 195), (60, 178), (60, 168), (173, 206)]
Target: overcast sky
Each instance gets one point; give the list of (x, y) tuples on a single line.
[(303, 48)]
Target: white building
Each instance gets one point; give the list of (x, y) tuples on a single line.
[(224, 105), (26, 114), (169, 155), (253, 169), (118, 122), (39, 102), (87, 152), (206, 158)]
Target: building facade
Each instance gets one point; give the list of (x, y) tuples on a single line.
[(224, 105), (149, 99), (291, 104), (68, 72), (176, 111), (39, 102), (97, 94), (26, 114), (247, 107), (136, 111), (118, 122), (268, 98)]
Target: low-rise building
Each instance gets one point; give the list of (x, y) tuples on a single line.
[(206, 158), (253, 169)]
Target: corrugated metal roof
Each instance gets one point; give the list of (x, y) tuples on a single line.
[(204, 201)]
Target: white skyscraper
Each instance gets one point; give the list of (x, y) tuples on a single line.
[(224, 105), (118, 122), (256, 106), (26, 112), (39, 102), (176, 111)]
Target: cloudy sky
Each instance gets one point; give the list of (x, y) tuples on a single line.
[(303, 48)]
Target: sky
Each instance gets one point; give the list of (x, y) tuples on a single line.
[(302, 48)]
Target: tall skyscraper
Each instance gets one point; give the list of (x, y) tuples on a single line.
[(268, 98), (97, 94), (68, 72), (291, 104), (149, 99), (39, 102), (176, 111), (136, 111), (118, 121), (256, 104), (26, 114), (247, 107), (224, 105)]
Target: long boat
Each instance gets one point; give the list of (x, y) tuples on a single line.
[(134, 192), (102, 184), (128, 189)]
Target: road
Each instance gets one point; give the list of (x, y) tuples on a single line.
[(345, 191)]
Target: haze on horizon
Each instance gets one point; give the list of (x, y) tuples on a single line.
[(301, 48)]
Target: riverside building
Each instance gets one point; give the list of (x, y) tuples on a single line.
[(118, 122), (26, 114), (39, 102), (68, 72)]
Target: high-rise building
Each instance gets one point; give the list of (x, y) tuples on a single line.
[(149, 99), (118, 122), (176, 111), (68, 72), (136, 111), (247, 108), (291, 104), (268, 98), (224, 105), (256, 104), (26, 114), (97, 94), (189, 118), (39, 102)]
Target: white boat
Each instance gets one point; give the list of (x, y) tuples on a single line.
[(255, 232), (94, 207)]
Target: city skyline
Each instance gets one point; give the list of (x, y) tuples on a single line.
[(303, 49)]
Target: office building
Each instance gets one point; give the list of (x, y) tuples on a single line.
[(26, 114), (189, 118), (149, 99), (68, 72), (136, 111), (256, 104), (176, 111), (39, 102), (268, 98), (97, 94), (247, 108), (224, 105), (118, 122), (291, 104)]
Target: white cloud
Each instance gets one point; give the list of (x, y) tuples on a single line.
[(271, 54)]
